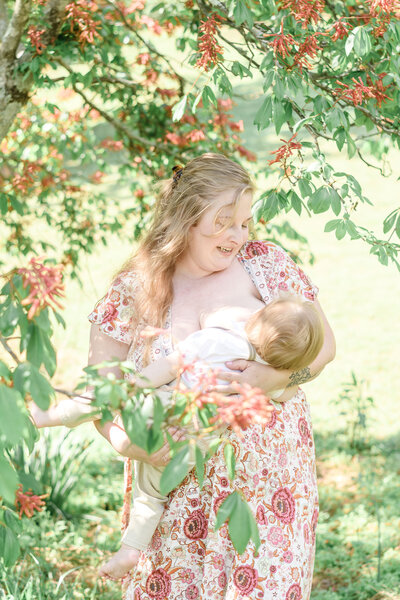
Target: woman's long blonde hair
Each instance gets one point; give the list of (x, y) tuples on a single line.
[(179, 206)]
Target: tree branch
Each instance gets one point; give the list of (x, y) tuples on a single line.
[(3, 18), (134, 139), (15, 29)]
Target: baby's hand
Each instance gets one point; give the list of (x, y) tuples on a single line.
[(120, 563)]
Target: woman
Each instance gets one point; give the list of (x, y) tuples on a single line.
[(197, 257)]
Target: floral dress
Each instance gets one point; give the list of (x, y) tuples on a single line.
[(275, 471)]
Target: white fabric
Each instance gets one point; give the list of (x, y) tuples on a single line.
[(210, 348)]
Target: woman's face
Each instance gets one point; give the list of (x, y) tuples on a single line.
[(210, 251)]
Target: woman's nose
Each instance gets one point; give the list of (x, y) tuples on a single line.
[(235, 234)]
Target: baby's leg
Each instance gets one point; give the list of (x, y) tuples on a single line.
[(69, 412), (147, 509)]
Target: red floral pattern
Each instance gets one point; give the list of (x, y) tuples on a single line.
[(283, 505), (275, 472), (245, 579), (158, 584), (294, 592), (195, 526)]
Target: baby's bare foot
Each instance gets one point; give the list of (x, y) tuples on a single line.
[(120, 563)]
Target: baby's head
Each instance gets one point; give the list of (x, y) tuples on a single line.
[(287, 333)]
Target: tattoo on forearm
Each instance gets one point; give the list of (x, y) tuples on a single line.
[(299, 377)]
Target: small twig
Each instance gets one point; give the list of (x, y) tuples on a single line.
[(9, 350)]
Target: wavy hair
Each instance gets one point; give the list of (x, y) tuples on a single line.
[(179, 206)]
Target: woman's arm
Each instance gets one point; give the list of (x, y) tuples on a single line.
[(269, 379), (103, 348)]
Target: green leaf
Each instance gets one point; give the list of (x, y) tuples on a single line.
[(8, 480), (295, 201), (135, 426), (40, 350), (352, 230), (389, 221), (225, 510), (17, 205), (11, 547), (3, 203), (331, 225), (398, 227), (175, 471), (336, 201), (230, 460), (302, 122), (241, 14), (179, 109), (12, 420), (264, 114), (362, 42), (340, 137), (320, 200), (242, 526), (4, 370), (279, 114), (199, 465), (267, 206), (340, 230), (305, 188), (27, 379), (350, 41), (12, 521), (208, 97), (279, 88), (269, 77)]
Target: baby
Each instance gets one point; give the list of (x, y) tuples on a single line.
[(285, 334)]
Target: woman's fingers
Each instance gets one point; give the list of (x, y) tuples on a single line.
[(238, 365)]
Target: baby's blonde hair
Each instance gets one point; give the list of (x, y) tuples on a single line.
[(287, 333)]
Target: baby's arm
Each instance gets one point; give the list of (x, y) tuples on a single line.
[(160, 372)]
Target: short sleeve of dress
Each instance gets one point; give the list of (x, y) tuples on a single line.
[(113, 313), (289, 277), (277, 271)]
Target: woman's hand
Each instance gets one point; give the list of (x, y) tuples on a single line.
[(253, 373), (116, 435)]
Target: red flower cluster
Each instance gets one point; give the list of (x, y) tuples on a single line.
[(361, 92), (45, 284), (23, 182), (82, 21), (308, 49), (341, 30), (249, 407), (382, 6), (250, 156), (286, 150), (35, 37), (151, 24), (27, 502), (306, 11), (209, 48), (282, 43), (112, 144), (196, 135)]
